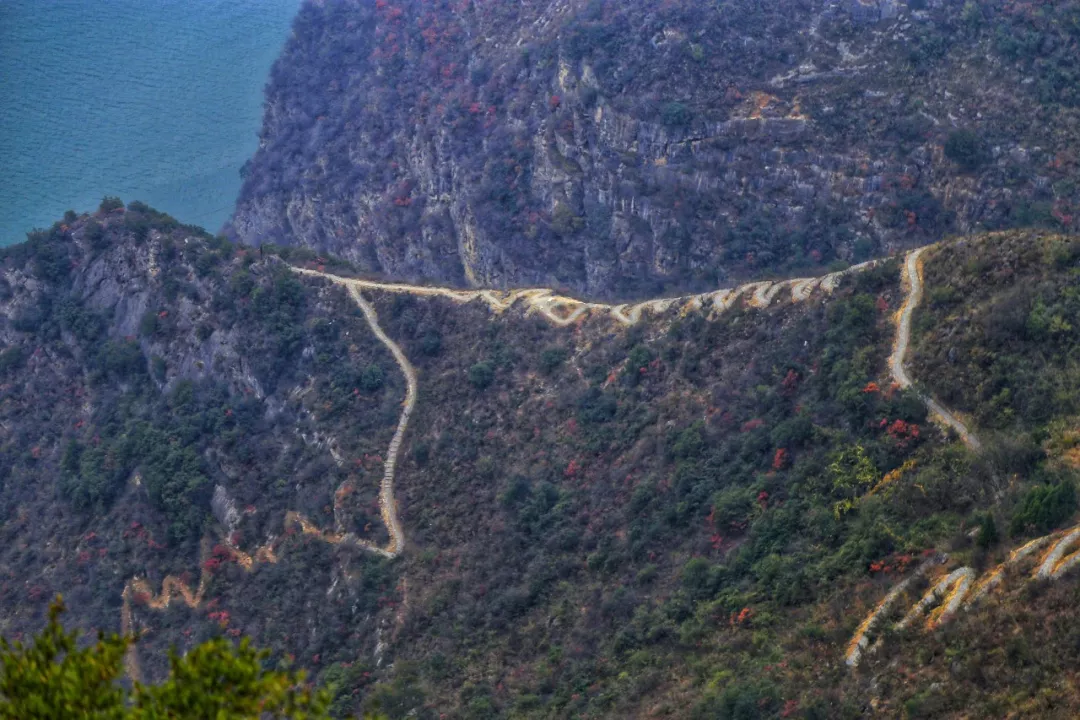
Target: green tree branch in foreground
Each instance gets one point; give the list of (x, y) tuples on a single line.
[(50, 678)]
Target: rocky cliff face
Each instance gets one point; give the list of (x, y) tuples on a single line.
[(151, 376), (618, 148)]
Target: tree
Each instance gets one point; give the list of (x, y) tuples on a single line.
[(966, 149), (482, 374), (1044, 507), (110, 204), (371, 379), (988, 533), (52, 679), (564, 221), (676, 115)]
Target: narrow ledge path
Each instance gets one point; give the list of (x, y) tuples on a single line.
[(913, 280), (563, 311)]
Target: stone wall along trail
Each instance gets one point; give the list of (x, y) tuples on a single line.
[(564, 311)]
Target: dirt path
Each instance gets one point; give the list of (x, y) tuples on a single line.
[(563, 311), (914, 282), (138, 589), (560, 311), (387, 503)]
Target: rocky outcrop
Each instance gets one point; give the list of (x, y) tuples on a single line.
[(618, 150)]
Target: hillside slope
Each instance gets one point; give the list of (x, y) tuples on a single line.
[(689, 516), (618, 149)]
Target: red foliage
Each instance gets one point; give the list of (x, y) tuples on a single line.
[(1059, 213), (899, 564), (780, 459), (555, 101), (752, 424), (790, 383), (743, 617), (904, 433)]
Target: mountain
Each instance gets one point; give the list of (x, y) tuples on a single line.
[(478, 504), (621, 150), (488, 402)]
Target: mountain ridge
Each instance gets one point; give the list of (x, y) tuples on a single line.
[(562, 143), (694, 480)]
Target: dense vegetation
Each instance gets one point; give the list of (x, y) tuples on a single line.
[(146, 363), (689, 516), (620, 148), (54, 678)]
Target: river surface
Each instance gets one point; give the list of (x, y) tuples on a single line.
[(152, 100)]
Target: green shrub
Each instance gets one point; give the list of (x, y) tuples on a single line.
[(11, 359), (552, 358), (1044, 507), (431, 343), (372, 378), (988, 533), (110, 203), (56, 675), (482, 374), (596, 406), (564, 221), (965, 148), (676, 114), (95, 235), (123, 359), (636, 363), (158, 368)]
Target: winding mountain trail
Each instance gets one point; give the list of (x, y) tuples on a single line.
[(962, 590), (387, 503), (913, 271), (139, 590), (563, 311)]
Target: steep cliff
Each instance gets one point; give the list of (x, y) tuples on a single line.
[(621, 148), (154, 380)]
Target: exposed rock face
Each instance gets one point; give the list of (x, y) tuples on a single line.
[(153, 377), (620, 148)]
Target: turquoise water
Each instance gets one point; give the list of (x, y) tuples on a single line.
[(155, 100)]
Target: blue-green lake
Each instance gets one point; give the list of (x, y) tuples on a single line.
[(153, 100)]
